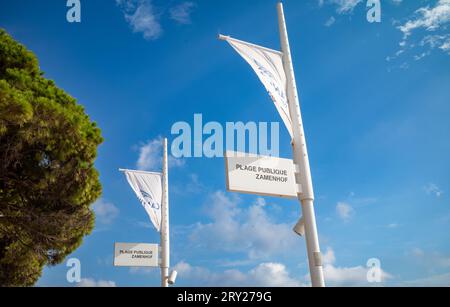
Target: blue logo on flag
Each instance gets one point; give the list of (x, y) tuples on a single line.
[(149, 200)]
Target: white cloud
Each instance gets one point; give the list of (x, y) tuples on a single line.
[(330, 21), (151, 156), (345, 276), (441, 42), (105, 212), (328, 257), (418, 57), (91, 283), (243, 230), (345, 211), (428, 18), (342, 6), (182, 12), (446, 45), (271, 274), (141, 16), (268, 274), (433, 189)]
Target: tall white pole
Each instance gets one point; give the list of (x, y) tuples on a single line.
[(306, 196), (165, 240)]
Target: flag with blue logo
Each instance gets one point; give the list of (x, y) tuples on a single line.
[(148, 189), (268, 66)]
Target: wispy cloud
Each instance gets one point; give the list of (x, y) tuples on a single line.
[(105, 212), (267, 274), (346, 276), (428, 18), (151, 156), (182, 12), (342, 6), (273, 274), (246, 230), (145, 18), (425, 30), (441, 42), (141, 16), (277, 275), (344, 211), (433, 189), (330, 21)]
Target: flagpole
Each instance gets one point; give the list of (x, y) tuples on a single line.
[(165, 240), (303, 175)]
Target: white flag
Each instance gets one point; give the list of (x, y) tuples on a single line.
[(268, 65), (148, 188)]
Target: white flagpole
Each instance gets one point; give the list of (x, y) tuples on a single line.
[(165, 240), (306, 196)]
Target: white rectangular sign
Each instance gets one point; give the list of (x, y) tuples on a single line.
[(136, 255), (261, 175)]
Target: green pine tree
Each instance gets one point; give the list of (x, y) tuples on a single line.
[(48, 181)]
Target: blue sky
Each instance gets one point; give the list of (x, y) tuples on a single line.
[(375, 102)]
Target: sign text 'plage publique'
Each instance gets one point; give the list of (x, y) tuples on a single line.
[(260, 175), (136, 254)]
